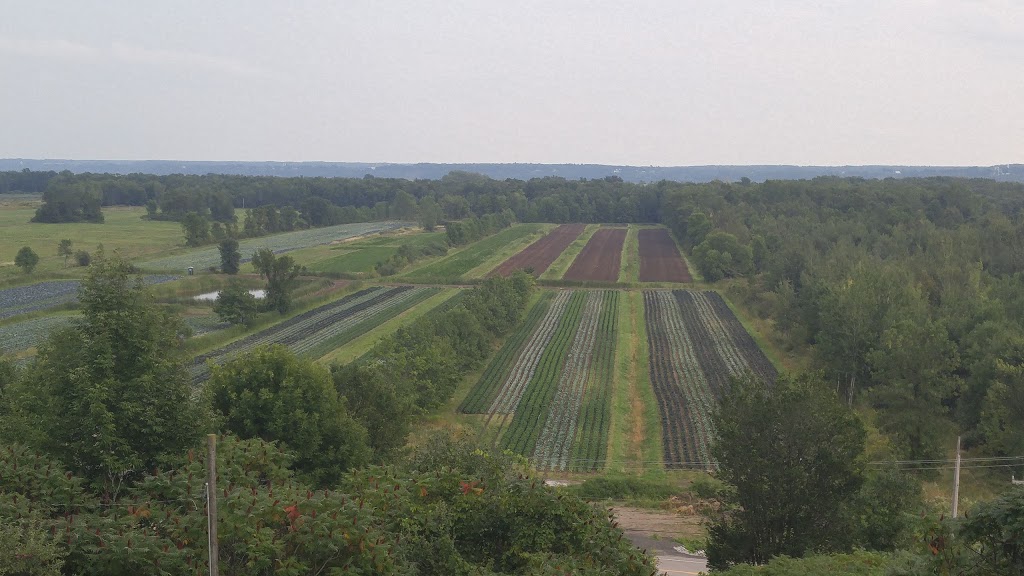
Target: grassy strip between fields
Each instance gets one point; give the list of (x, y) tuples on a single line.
[(362, 344), (630, 269), (507, 251), (565, 259), (635, 436)]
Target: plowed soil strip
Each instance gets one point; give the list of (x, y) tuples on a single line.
[(539, 255), (659, 258), (600, 259)]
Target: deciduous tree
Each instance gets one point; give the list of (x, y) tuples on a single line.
[(280, 273), (791, 454), (64, 249), (111, 394), (235, 304), (273, 395), (26, 259), (230, 257)]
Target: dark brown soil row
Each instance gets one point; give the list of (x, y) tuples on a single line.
[(539, 255), (677, 439), (600, 259), (659, 258)]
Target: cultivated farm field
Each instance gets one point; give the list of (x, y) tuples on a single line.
[(548, 389), (660, 260), (455, 266), (548, 392), (696, 344), (600, 259), (209, 256), (539, 255), (318, 331)]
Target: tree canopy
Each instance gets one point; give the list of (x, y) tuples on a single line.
[(109, 396), (273, 395), (791, 454)]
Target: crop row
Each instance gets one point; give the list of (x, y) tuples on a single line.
[(684, 397), (558, 432), (278, 243), (591, 446), (696, 345), (531, 411), (482, 395), (318, 330), (515, 383), (575, 434), (45, 295), (29, 333)]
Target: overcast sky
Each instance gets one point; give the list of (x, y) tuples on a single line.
[(669, 82)]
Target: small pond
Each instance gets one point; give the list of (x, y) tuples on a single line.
[(212, 296)]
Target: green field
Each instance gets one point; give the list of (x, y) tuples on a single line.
[(360, 256), (453, 267), (124, 231), (355, 262)]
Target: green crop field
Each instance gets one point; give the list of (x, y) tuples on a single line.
[(358, 261), (360, 256), (361, 345), (454, 266)]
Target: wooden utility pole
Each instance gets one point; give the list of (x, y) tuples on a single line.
[(956, 479), (211, 500)]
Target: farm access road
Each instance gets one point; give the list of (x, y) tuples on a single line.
[(654, 530)]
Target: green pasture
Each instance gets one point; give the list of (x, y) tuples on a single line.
[(362, 255), (355, 262), (124, 231)]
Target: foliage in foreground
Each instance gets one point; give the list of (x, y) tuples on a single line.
[(859, 563), (791, 456), (273, 395), (419, 367), (108, 395), (452, 510)]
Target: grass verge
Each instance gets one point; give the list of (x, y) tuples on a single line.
[(564, 260), (630, 270)]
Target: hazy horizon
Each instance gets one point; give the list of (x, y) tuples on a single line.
[(651, 83)]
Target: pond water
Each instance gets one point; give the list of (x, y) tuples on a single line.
[(212, 296)]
